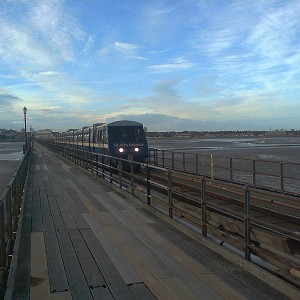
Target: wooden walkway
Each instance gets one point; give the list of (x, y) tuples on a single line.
[(81, 240)]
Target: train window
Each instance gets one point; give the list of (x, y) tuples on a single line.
[(104, 136), (99, 136), (126, 135)]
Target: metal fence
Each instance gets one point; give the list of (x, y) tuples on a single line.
[(239, 229), (10, 206), (280, 176)]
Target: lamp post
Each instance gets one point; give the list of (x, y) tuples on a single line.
[(25, 112)]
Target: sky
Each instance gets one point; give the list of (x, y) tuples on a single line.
[(173, 65)]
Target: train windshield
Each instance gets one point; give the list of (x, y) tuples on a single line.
[(127, 135)]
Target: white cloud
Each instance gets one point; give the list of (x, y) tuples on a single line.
[(177, 64), (125, 46)]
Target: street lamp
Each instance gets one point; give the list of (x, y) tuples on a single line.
[(25, 112)]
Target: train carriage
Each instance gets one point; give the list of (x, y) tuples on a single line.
[(124, 139)]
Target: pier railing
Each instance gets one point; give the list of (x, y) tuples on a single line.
[(10, 207), (157, 186), (279, 176)]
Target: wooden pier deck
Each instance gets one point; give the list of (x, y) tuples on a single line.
[(80, 239)]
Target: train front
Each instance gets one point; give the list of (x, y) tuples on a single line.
[(127, 140)]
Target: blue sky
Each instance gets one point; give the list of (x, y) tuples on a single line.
[(172, 65)]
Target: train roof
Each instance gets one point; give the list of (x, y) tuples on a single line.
[(124, 123)]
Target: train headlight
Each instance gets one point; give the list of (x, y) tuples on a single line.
[(121, 150), (136, 149)]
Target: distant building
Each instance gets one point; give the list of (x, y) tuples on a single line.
[(45, 134)]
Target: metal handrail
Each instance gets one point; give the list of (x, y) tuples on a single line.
[(163, 195), (10, 206), (280, 176)]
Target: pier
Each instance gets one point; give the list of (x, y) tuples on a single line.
[(81, 237)]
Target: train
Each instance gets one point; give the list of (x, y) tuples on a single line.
[(124, 139)]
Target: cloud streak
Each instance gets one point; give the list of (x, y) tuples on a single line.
[(201, 61)]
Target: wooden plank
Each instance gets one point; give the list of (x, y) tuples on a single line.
[(84, 194), (144, 268), (78, 285), (75, 200), (57, 275), (118, 205), (54, 208), (61, 296), (102, 293), (182, 291), (36, 213), (141, 291), (129, 207), (90, 269), (58, 222), (181, 271), (114, 281), (44, 204), (61, 203), (147, 256), (41, 181), (69, 220), (128, 274), (75, 211), (190, 266), (49, 189), (39, 281), (220, 273)]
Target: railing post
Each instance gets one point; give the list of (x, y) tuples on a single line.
[(120, 173), (155, 157), (173, 163), (170, 193), (212, 166), (102, 163), (132, 177), (197, 164), (254, 171), (148, 186), (281, 177), (3, 257), (183, 161), (163, 158), (247, 222), (110, 170), (9, 211), (230, 169), (203, 205)]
